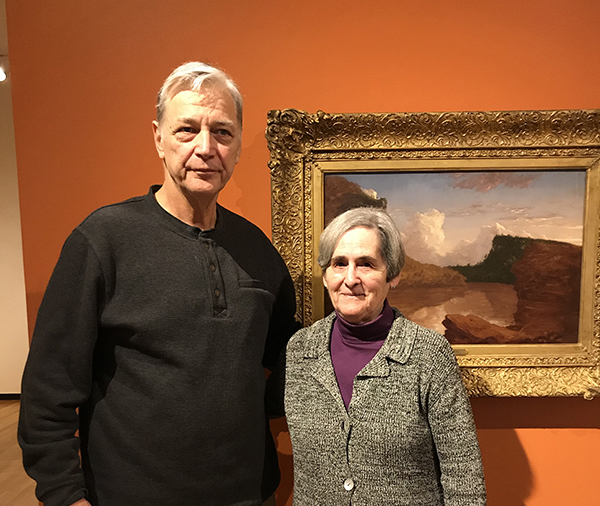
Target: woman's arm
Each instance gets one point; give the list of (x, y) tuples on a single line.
[(454, 434)]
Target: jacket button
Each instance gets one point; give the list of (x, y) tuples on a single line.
[(349, 484)]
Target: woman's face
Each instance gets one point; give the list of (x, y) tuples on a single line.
[(355, 279)]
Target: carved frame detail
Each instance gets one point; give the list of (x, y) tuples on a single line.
[(303, 146)]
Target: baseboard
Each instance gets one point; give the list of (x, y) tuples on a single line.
[(10, 397)]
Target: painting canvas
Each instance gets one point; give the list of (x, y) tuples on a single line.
[(492, 257)]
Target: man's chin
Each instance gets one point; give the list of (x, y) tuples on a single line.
[(203, 187)]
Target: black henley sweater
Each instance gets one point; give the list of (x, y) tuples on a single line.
[(151, 341)]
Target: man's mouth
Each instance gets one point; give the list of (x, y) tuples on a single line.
[(203, 171)]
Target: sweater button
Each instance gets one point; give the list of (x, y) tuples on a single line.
[(349, 484)]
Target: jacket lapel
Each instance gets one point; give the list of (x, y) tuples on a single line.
[(317, 351), (397, 347)]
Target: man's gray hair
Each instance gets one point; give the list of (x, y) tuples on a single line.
[(390, 244), (194, 76)]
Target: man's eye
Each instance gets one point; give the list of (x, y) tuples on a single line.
[(187, 130), (224, 132)]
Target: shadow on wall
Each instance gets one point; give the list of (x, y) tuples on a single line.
[(508, 476), (536, 413)]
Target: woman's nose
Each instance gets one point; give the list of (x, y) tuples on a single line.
[(351, 275)]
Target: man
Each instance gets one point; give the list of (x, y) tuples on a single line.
[(155, 327)]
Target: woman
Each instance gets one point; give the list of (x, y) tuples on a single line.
[(377, 411)]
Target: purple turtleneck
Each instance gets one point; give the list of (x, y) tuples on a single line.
[(353, 347)]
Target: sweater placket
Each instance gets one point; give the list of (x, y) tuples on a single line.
[(214, 274)]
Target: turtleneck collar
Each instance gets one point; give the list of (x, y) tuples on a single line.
[(375, 330)]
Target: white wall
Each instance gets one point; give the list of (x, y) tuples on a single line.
[(13, 318)]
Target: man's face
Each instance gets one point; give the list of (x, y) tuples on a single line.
[(199, 141)]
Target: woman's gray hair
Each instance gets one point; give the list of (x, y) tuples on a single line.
[(390, 244), (193, 76)]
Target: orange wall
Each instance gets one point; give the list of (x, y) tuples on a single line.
[(85, 76)]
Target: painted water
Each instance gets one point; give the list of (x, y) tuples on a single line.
[(428, 306)]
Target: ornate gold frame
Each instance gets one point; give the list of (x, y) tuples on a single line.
[(306, 146)]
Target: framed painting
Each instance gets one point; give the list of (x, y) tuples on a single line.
[(499, 216)]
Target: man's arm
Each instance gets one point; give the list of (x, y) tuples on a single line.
[(275, 389), (283, 324), (58, 374), (283, 327)]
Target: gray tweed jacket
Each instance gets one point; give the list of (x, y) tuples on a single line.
[(408, 437)]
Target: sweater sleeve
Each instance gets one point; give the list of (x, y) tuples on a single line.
[(58, 374), (454, 433), (282, 326)]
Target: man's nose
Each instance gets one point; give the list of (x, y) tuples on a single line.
[(204, 143)]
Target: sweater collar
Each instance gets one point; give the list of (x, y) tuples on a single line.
[(178, 226)]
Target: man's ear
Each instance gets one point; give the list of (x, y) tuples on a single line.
[(158, 139), (239, 153)]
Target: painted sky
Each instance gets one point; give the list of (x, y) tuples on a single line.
[(450, 218)]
